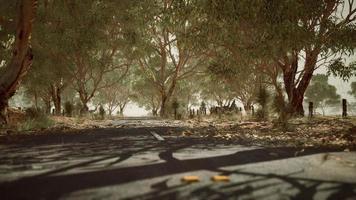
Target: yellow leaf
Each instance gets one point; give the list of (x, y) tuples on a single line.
[(220, 178), (190, 179)]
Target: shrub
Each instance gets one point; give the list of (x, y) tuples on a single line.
[(41, 122), (68, 109), (102, 112), (35, 119), (280, 106), (262, 100), (33, 113)]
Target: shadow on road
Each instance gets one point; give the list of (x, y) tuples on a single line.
[(99, 153)]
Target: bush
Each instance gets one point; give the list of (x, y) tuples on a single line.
[(280, 106), (40, 122), (35, 119), (262, 100), (33, 113), (68, 109), (102, 112)]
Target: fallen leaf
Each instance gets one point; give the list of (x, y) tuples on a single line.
[(190, 179), (220, 178)]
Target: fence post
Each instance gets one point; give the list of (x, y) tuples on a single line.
[(344, 108), (311, 109)]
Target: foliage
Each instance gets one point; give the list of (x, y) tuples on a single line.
[(39, 123), (32, 113), (35, 120), (353, 89), (277, 35), (102, 112), (321, 93), (165, 53), (262, 100), (338, 68), (68, 108)]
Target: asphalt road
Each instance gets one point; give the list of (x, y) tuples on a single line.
[(129, 163)]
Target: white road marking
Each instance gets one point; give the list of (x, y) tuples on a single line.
[(158, 137)]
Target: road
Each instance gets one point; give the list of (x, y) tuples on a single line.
[(130, 163)]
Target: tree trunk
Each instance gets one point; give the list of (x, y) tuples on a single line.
[(57, 100), (47, 103), (21, 59), (295, 90), (154, 112), (85, 109), (162, 110), (296, 103), (4, 118), (122, 109), (36, 100)]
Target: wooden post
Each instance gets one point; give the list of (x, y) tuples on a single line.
[(344, 108), (311, 109)]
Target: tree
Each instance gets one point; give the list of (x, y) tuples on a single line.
[(145, 95), (187, 93), (241, 78), (116, 96), (87, 42), (214, 89), (321, 93), (318, 33), (353, 89), (262, 100), (296, 37), (165, 54), (20, 62)]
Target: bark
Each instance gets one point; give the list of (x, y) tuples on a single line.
[(85, 109), (22, 56), (47, 103), (154, 112), (57, 99), (162, 110), (122, 108), (36, 100), (295, 89)]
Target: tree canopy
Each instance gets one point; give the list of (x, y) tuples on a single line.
[(160, 51)]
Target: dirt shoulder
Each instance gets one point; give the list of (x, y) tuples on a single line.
[(320, 132)]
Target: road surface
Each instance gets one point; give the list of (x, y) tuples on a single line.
[(130, 163)]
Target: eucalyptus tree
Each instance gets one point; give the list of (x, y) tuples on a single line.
[(146, 95), (187, 92), (287, 38), (321, 32), (16, 21), (242, 79), (83, 43), (353, 89), (216, 90), (321, 93), (117, 96), (165, 52)]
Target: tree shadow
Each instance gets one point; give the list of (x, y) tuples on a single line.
[(99, 156)]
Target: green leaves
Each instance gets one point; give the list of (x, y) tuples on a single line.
[(340, 69), (321, 92)]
